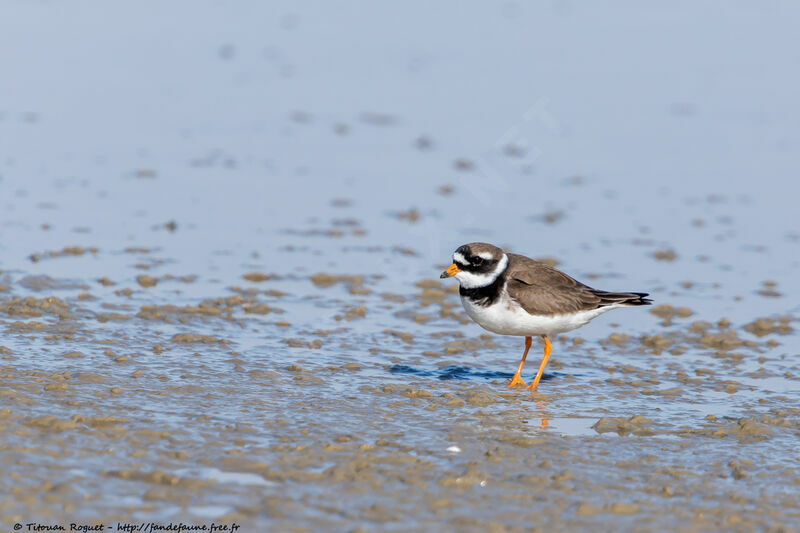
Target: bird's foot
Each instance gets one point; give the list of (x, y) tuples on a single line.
[(533, 385), (516, 381)]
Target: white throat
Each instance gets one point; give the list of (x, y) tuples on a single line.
[(469, 280)]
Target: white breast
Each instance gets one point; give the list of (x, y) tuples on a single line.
[(506, 317)]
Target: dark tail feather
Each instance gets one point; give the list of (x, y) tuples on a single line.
[(622, 298)]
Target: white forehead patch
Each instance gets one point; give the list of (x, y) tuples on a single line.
[(486, 255), (469, 280), (458, 258)]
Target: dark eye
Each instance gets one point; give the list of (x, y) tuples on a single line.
[(477, 260)]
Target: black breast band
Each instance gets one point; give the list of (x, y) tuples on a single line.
[(485, 295)]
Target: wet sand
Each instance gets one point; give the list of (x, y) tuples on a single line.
[(116, 409)]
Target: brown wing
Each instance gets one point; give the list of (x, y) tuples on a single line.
[(542, 290)]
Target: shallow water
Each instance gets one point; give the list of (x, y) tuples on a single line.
[(220, 249)]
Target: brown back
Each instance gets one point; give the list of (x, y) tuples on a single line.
[(543, 290)]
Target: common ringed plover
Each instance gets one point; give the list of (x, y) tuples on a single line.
[(512, 294)]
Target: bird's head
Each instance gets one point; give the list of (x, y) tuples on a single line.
[(476, 265)]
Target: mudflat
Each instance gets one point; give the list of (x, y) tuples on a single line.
[(219, 250)]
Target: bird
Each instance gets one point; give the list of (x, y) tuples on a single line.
[(511, 294)]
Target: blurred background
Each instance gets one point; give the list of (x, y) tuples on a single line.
[(558, 129)]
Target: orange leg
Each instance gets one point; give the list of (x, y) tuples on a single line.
[(517, 379), (548, 349)]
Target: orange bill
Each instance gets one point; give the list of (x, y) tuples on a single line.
[(452, 270)]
